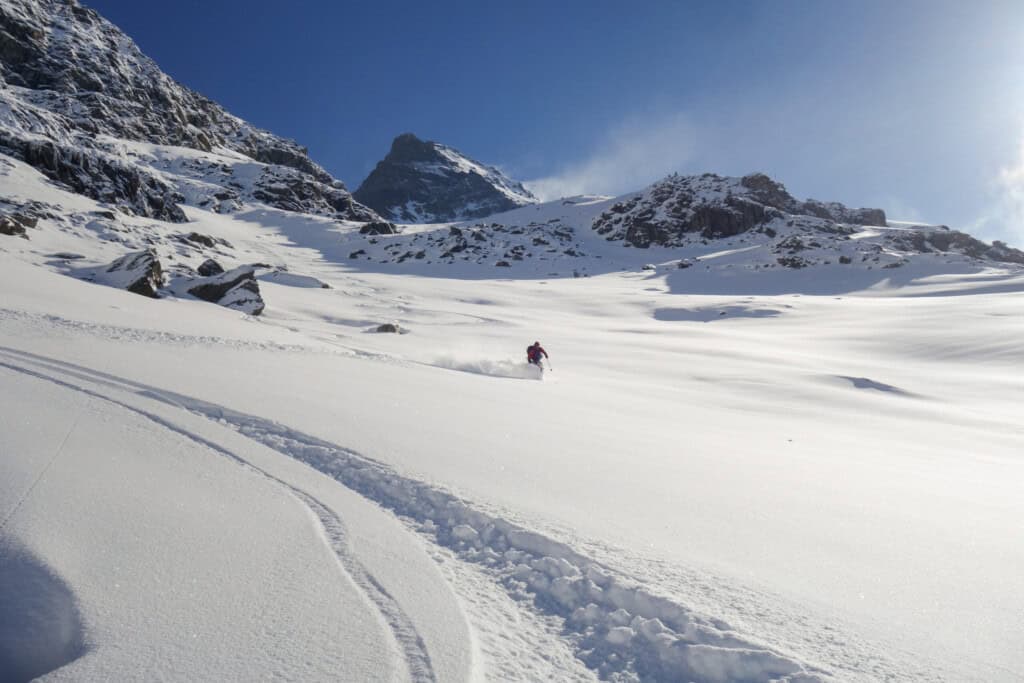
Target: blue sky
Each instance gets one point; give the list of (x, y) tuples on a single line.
[(913, 106)]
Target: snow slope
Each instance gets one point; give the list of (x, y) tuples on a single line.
[(714, 483)]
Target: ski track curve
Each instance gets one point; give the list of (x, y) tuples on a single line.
[(408, 641), (617, 628)]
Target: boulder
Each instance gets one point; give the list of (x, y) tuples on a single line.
[(139, 272), (8, 226), (378, 228), (235, 288), (199, 238), (209, 267), (388, 328)]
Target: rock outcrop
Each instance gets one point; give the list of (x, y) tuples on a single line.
[(679, 209), (427, 182), (943, 240), (16, 224)]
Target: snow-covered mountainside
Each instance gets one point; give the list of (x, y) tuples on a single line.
[(719, 230), (76, 93), (738, 485), (776, 441), (427, 182)]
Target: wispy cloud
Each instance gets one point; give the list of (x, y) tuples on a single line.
[(1005, 219), (634, 153), (1011, 181)]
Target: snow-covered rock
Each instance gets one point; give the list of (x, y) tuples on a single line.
[(139, 272), (15, 224), (236, 288), (209, 267), (427, 182)]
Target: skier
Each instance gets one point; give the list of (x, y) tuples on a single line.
[(534, 353)]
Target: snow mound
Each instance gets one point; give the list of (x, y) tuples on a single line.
[(40, 628), (287, 279)]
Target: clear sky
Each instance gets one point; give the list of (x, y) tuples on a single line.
[(913, 106)]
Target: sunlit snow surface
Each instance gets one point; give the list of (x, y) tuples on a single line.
[(787, 475)]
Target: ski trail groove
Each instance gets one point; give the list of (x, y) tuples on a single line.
[(617, 628), (409, 642), (416, 656), (42, 473)]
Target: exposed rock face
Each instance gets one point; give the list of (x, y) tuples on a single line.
[(209, 267), (834, 211), (480, 243), (679, 209), (378, 228), (954, 241), (139, 272), (16, 224), (72, 84), (426, 182), (235, 288)]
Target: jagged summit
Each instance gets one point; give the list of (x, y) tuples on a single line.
[(427, 182), (72, 85), (409, 148)]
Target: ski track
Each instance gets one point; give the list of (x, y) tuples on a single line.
[(407, 639), (129, 334), (617, 628)]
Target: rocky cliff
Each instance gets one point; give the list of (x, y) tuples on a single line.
[(427, 182)]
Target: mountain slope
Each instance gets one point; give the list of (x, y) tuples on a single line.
[(427, 182), (717, 232), (722, 481), (73, 85)]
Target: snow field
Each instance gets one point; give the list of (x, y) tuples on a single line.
[(805, 486), (346, 627), (621, 628)]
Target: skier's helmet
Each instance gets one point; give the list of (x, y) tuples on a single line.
[(536, 343)]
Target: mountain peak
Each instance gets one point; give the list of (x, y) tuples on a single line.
[(407, 147), (421, 181)]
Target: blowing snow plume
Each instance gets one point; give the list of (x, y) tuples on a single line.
[(631, 155), (493, 368)]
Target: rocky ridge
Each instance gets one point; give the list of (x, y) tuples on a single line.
[(427, 182), (719, 223), (80, 104), (681, 208), (73, 86)]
